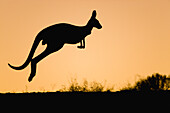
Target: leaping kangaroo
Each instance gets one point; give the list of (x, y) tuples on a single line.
[(55, 37)]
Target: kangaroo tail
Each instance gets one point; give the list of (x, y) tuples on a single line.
[(34, 46)]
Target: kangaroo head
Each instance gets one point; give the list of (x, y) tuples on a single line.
[(94, 22)]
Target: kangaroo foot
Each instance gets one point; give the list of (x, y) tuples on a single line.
[(81, 47), (31, 77)]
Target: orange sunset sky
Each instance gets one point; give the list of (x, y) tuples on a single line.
[(134, 40)]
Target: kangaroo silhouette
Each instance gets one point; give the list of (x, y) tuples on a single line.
[(55, 37)]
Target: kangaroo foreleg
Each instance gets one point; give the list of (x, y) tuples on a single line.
[(82, 44)]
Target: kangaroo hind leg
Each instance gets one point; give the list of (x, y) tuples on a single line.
[(46, 52), (34, 62)]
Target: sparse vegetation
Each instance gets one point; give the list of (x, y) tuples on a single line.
[(155, 84), (86, 86)]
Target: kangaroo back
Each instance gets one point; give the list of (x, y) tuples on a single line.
[(34, 46)]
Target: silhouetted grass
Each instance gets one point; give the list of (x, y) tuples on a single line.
[(86, 86)]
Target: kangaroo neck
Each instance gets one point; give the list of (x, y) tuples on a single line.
[(88, 28)]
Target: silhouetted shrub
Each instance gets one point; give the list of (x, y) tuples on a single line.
[(155, 82)]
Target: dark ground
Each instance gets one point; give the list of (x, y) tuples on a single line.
[(76, 100), (95, 94)]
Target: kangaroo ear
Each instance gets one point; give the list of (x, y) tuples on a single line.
[(93, 14)]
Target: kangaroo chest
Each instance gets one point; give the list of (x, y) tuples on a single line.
[(74, 35), (73, 38)]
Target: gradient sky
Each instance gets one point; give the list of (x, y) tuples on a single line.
[(134, 40)]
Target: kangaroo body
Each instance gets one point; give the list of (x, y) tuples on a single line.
[(55, 37), (64, 33)]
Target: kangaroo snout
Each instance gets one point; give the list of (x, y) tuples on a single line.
[(99, 27)]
